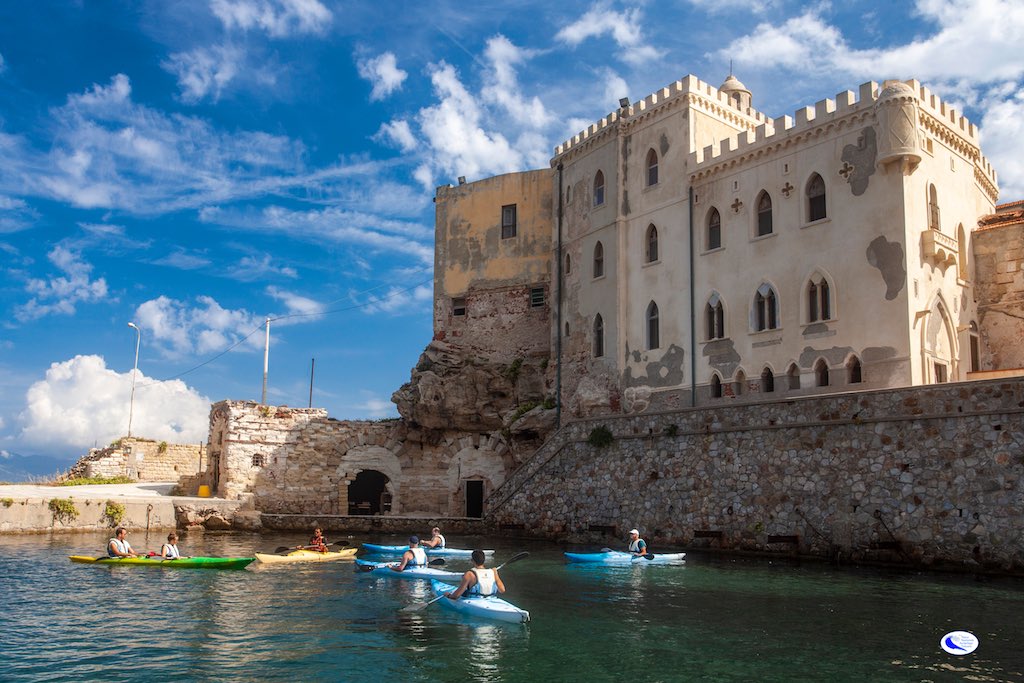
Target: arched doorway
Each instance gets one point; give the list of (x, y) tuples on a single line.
[(367, 494), (939, 346)]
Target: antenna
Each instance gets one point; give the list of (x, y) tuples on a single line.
[(730, 67)]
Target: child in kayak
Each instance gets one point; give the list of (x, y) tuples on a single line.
[(479, 580), (436, 539), (415, 556)]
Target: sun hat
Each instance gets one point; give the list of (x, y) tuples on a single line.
[(634, 531), (413, 540)]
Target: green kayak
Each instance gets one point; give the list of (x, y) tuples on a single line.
[(182, 562)]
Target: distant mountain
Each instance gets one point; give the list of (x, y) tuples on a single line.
[(17, 469)]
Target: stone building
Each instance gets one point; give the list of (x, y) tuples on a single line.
[(998, 248)]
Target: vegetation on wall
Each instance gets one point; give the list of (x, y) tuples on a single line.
[(83, 481), (162, 448), (63, 510), (114, 513), (8, 502), (671, 430), (600, 437)]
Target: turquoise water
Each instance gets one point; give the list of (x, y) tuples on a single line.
[(713, 619)]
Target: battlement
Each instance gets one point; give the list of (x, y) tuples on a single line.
[(681, 88)]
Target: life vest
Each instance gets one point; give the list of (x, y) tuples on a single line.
[(119, 544), (419, 557), (637, 546), (441, 544), (172, 551), (485, 583)]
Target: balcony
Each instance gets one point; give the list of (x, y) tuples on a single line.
[(939, 248)]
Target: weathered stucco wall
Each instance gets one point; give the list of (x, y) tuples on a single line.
[(999, 269), (943, 466)]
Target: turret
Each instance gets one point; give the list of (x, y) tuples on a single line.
[(897, 121), (737, 93)]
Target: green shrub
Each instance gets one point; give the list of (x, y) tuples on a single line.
[(549, 403), (671, 430), (8, 502), (544, 364), (512, 371), (522, 410), (600, 437), (63, 510), (162, 448), (83, 481), (113, 513)]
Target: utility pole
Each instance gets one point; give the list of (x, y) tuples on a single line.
[(266, 363)]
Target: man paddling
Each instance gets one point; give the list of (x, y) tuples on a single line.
[(318, 542), (479, 580), (637, 545), (415, 556), (118, 546), (436, 539)]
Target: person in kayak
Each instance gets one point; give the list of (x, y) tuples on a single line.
[(169, 550), (118, 546), (637, 545), (436, 539), (415, 556), (318, 542), (479, 580)]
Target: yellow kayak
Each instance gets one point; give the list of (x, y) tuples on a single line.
[(307, 556)]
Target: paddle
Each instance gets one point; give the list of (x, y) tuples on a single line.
[(285, 548), (370, 568), (419, 606), (648, 556)]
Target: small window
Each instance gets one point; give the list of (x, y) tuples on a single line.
[(598, 336), (815, 198), (716, 386), (764, 215), (933, 208), (821, 373), (459, 306), (508, 221), (766, 312), (536, 297), (767, 380), (568, 194), (652, 168), (651, 254), (258, 460), (714, 230), (715, 319), (567, 329), (598, 260), (568, 264), (653, 327), (975, 348), (854, 375), (599, 189), (940, 373), (793, 377)]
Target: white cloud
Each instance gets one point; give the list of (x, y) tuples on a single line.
[(81, 402), (60, 294), (397, 299), (623, 27), (615, 88), (504, 89), (720, 6), (178, 329), (278, 18), (205, 71), (3, 64), (251, 268), (297, 305), (1002, 130), (399, 133), (375, 407), (15, 214), (382, 71), (182, 260)]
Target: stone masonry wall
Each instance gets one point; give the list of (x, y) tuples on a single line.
[(142, 459), (929, 475), (999, 271)]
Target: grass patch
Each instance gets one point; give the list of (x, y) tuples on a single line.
[(600, 437), (83, 481)]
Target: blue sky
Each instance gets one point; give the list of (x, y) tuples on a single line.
[(198, 166)]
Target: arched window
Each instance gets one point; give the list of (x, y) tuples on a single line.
[(714, 229), (716, 386), (819, 299), (568, 194), (854, 374), (815, 198), (766, 309), (764, 215), (975, 347), (568, 264), (961, 246), (599, 189), (652, 168), (653, 330), (715, 317), (767, 380), (598, 336), (567, 329), (821, 373), (739, 384), (651, 244), (793, 376), (598, 260), (933, 208)]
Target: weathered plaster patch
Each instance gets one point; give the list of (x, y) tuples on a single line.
[(833, 356), (815, 328), (722, 355), (874, 354), (663, 145), (862, 158), (664, 372), (888, 258)]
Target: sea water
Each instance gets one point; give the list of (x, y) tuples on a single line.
[(713, 618)]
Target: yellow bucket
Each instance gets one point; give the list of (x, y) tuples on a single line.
[(204, 491)]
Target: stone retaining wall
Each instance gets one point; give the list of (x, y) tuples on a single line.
[(375, 525), (930, 475), (142, 459)]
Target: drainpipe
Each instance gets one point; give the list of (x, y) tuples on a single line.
[(558, 324), (693, 315)]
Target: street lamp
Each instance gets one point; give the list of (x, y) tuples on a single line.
[(135, 371)]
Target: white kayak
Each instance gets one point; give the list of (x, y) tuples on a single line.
[(435, 552), (619, 557), (383, 569), (484, 606)]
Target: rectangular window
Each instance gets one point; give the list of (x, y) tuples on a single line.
[(975, 354), (536, 297), (940, 373), (257, 460), (508, 221), (459, 306)]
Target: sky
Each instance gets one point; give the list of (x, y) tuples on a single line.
[(197, 167)]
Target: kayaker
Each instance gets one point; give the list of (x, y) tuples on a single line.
[(436, 539), (637, 545), (318, 542), (169, 550), (479, 580), (118, 546), (415, 556)]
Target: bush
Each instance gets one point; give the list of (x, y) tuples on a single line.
[(63, 510), (83, 481), (522, 410), (512, 371), (8, 502), (549, 404), (671, 430), (162, 448), (114, 513), (600, 437)]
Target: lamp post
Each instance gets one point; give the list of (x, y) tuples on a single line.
[(135, 371)]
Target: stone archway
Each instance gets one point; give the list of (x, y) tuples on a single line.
[(370, 458), (939, 347), (473, 465), (368, 494)]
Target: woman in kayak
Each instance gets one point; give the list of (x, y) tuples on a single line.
[(415, 556), (436, 539), (637, 545), (118, 546), (318, 542), (479, 580), (169, 550)]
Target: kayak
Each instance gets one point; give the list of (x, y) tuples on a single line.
[(380, 569), (181, 562), (307, 556), (619, 557), (436, 552), (485, 606)]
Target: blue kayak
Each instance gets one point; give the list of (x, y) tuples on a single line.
[(487, 607), (436, 552), (383, 570), (620, 558)]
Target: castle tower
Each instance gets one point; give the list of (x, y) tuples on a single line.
[(737, 92), (897, 115)]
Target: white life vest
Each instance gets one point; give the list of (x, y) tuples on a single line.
[(634, 546), (172, 551), (419, 557), (485, 583), (441, 544), (122, 546)]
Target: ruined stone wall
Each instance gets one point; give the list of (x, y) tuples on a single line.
[(142, 459), (999, 271), (931, 475)]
